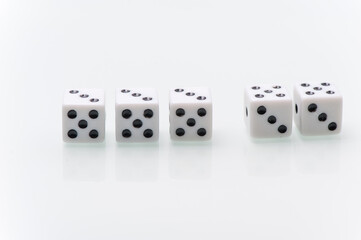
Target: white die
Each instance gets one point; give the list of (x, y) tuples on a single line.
[(84, 116), (268, 111), (190, 114), (318, 108), (137, 115)]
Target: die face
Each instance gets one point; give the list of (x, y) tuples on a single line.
[(137, 115), (84, 97), (83, 116), (318, 109), (268, 111), (186, 124), (190, 95), (190, 114)]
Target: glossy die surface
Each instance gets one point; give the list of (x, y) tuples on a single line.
[(190, 114), (268, 111), (137, 115), (84, 116), (318, 108)]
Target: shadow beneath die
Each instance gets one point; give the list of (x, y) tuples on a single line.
[(270, 157), (317, 155), (84, 162), (190, 160), (138, 162)]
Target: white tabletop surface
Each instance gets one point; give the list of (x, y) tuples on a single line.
[(230, 188)]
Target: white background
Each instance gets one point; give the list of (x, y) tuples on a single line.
[(229, 188)]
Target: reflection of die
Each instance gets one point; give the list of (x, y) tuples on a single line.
[(84, 115), (268, 111), (190, 114), (318, 108), (137, 115)]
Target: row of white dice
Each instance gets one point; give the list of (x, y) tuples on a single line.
[(268, 113), (137, 115), (269, 110)]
